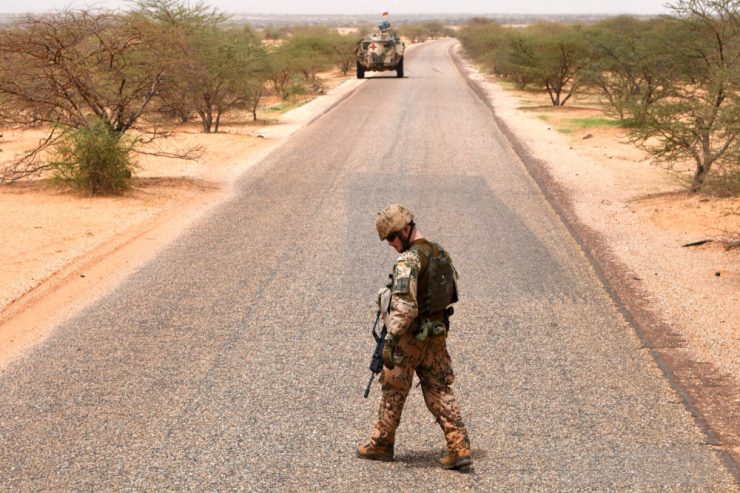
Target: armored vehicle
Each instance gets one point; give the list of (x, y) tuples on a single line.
[(382, 50)]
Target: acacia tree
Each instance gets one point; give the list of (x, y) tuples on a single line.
[(309, 51), (518, 60), (231, 67), (254, 91), (179, 24), (72, 70), (216, 69), (281, 72), (414, 32), (628, 65), (436, 29), (344, 48), (176, 13), (552, 55), (486, 42), (701, 118)]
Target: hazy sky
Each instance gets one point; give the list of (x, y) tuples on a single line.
[(365, 7)]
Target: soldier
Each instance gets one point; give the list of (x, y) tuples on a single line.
[(423, 288)]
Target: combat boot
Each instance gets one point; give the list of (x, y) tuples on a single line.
[(375, 451), (456, 460)]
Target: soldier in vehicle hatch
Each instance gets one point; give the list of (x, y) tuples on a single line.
[(417, 320)]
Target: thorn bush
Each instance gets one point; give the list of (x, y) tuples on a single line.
[(94, 159)]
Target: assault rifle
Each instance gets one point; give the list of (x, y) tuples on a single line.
[(376, 364)]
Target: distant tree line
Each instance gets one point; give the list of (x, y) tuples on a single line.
[(420, 32), (119, 80), (673, 81)]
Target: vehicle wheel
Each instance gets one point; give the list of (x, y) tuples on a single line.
[(360, 71), (399, 69)]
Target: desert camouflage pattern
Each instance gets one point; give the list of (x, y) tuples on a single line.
[(404, 305), (421, 350), (392, 219), (380, 51), (430, 360)]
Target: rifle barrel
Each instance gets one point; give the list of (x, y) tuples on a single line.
[(367, 389)]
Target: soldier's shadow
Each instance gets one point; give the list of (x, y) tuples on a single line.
[(430, 459)]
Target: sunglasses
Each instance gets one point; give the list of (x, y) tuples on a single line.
[(392, 237)]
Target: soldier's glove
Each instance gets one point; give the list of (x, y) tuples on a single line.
[(389, 353)]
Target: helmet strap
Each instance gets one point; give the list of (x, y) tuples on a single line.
[(406, 240)]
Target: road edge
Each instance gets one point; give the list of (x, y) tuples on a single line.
[(89, 277), (656, 336)]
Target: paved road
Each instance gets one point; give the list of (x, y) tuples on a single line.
[(237, 358)]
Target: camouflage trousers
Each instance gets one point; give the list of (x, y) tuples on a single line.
[(431, 362)]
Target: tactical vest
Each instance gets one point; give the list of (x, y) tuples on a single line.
[(437, 288)]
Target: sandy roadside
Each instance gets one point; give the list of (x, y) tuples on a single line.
[(639, 216), (61, 251)]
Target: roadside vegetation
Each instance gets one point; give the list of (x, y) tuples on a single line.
[(105, 84), (672, 82), (420, 32)]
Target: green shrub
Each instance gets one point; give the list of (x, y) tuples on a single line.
[(94, 159), (296, 88)]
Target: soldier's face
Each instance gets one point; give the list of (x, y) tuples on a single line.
[(395, 240), (396, 243)]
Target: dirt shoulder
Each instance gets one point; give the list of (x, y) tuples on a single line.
[(632, 217), (62, 251)]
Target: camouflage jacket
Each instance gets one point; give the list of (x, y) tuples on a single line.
[(404, 303)]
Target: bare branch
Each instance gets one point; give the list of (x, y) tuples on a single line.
[(31, 163)]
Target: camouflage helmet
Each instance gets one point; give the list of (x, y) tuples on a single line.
[(392, 219)]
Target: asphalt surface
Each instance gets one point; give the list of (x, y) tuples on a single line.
[(236, 360)]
